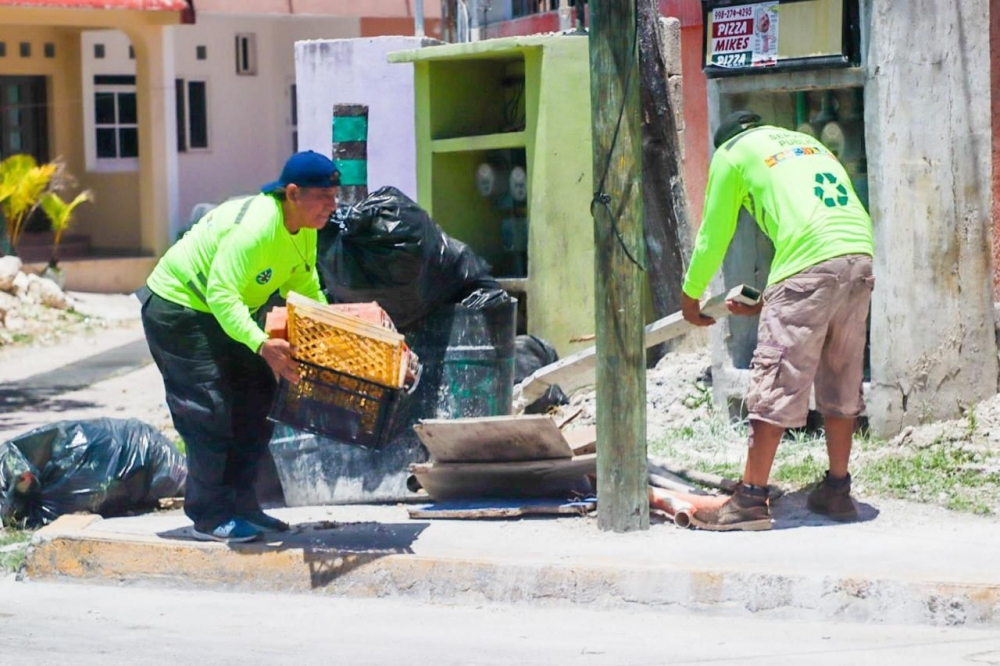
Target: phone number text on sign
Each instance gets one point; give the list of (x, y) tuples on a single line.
[(732, 13)]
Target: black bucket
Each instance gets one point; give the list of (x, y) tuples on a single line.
[(468, 371)]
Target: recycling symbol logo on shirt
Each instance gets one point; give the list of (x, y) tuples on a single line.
[(264, 276), (829, 191)]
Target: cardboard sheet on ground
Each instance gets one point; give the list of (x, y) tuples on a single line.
[(583, 440), (516, 508), (536, 478), (493, 439)]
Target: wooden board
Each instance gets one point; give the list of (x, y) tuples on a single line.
[(493, 439), (541, 478), (577, 371), (583, 440), (497, 508)]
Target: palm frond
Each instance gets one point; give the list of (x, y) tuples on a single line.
[(60, 214)]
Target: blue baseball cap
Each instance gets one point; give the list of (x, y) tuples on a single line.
[(306, 169)]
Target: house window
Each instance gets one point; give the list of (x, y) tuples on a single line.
[(131, 52), (25, 49), (246, 54), (116, 121), (50, 50), (192, 115), (201, 52), (99, 51), (3, 49)]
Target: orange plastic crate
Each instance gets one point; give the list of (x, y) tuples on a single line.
[(325, 337)]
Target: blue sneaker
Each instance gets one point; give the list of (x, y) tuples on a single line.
[(264, 523), (234, 530)]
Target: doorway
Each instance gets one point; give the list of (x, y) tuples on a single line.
[(24, 126)]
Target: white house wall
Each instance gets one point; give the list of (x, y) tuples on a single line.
[(250, 131), (355, 71), (249, 116)]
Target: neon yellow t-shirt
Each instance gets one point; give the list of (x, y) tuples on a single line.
[(800, 195), (233, 259)]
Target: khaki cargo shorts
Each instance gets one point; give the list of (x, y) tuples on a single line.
[(812, 330)]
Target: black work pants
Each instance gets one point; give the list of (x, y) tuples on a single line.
[(219, 394)]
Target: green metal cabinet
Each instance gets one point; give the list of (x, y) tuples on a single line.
[(524, 100)]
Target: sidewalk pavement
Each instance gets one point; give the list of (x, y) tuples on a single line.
[(903, 564)]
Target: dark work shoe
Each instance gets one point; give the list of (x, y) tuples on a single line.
[(264, 522), (832, 497), (233, 530), (745, 511)]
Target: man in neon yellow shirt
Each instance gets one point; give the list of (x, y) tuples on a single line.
[(219, 368), (815, 309)]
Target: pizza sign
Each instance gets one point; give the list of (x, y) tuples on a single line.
[(744, 36)]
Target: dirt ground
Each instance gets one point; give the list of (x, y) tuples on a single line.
[(953, 464)]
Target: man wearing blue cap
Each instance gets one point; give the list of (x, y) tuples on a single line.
[(218, 366)]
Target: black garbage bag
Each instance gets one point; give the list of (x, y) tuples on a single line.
[(530, 354), (105, 466), (387, 249)]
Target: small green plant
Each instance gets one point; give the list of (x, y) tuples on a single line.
[(22, 184), (970, 428), (60, 214), (702, 396), (10, 562)]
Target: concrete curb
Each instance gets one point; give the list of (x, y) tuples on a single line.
[(64, 551)]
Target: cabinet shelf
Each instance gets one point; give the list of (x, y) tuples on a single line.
[(480, 142)]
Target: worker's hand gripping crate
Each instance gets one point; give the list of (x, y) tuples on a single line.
[(354, 372)]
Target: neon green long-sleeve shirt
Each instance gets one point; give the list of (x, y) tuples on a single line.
[(233, 259), (799, 194)]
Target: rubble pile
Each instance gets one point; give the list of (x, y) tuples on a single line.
[(678, 395), (27, 301), (977, 430)]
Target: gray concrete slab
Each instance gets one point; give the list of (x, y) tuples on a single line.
[(903, 542), (902, 564)]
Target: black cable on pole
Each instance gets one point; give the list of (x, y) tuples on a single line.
[(600, 196)]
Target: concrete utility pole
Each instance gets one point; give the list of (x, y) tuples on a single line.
[(623, 503)]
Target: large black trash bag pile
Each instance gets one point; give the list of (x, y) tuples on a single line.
[(532, 353), (387, 249), (105, 466)]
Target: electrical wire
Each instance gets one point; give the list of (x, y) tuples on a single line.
[(600, 196)]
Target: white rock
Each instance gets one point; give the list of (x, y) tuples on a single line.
[(20, 284), (47, 292), (10, 267), (8, 302), (14, 322)]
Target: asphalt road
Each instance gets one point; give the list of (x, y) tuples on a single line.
[(75, 624)]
